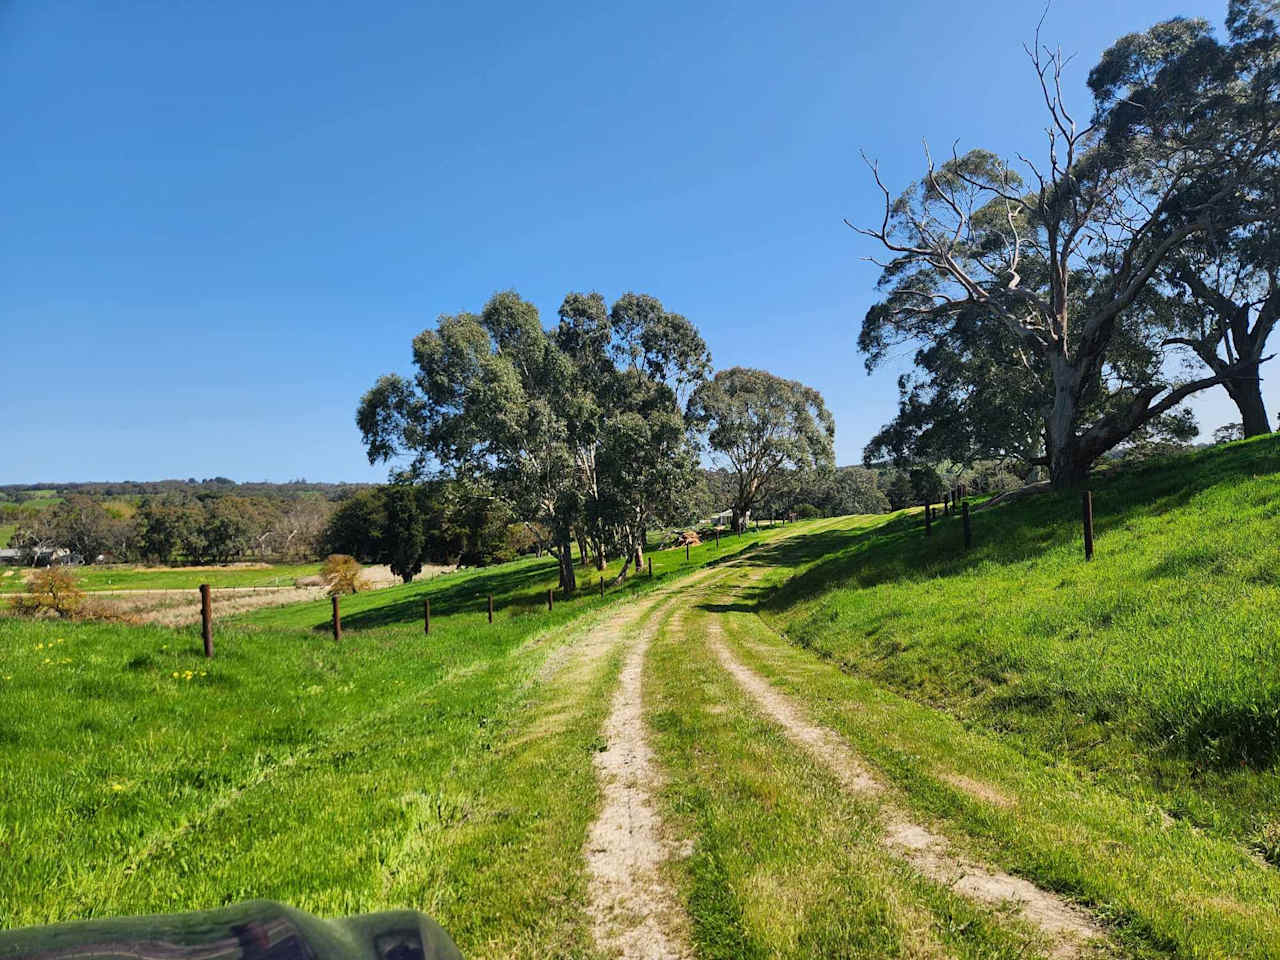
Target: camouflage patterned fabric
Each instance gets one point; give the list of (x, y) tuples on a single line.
[(258, 930)]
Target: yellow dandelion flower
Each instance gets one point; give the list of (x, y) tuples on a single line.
[(175, 676), (117, 787)]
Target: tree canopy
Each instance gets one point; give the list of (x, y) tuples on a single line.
[(579, 427), (1036, 291), (763, 426)]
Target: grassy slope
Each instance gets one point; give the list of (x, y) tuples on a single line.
[(1162, 887), (387, 771), (1154, 670)]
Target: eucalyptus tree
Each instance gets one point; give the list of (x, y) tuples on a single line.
[(492, 395), (764, 427), (631, 440), (1059, 259), (579, 427), (967, 399), (1177, 81)]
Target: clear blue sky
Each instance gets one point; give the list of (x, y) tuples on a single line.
[(223, 220)]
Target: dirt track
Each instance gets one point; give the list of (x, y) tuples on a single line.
[(635, 913)]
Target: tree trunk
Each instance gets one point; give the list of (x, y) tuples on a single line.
[(741, 519), (1068, 462), (639, 556), (568, 577), (1246, 391)]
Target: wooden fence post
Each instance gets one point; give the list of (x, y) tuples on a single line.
[(602, 586), (551, 600), (651, 567), (1088, 524), (426, 615), (337, 619), (491, 608), (686, 552), (968, 528), (928, 519), (206, 620), (717, 538)]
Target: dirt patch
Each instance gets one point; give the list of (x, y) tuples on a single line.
[(380, 575), (982, 791), (635, 914), (176, 608), (1069, 929)]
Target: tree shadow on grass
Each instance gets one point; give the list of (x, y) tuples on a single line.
[(511, 590)]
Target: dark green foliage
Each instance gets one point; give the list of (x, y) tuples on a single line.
[(1175, 82), (1048, 309), (833, 493), (170, 529), (900, 492), (404, 531), (579, 429), (407, 525)]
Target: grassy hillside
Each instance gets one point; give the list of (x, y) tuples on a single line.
[(1155, 668)]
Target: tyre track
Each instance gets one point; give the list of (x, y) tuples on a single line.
[(1070, 931), (635, 914)]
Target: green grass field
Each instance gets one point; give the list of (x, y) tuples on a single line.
[(176, 578), (7, 531), (1108, 731), (292, 768), (125, 577)]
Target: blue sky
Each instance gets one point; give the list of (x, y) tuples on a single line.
[(223, 220)]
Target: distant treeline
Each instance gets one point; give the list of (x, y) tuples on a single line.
[(404, 525), (25, 492), (169, 528)]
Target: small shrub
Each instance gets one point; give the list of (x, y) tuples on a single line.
[(53, 590), (342, 573)]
